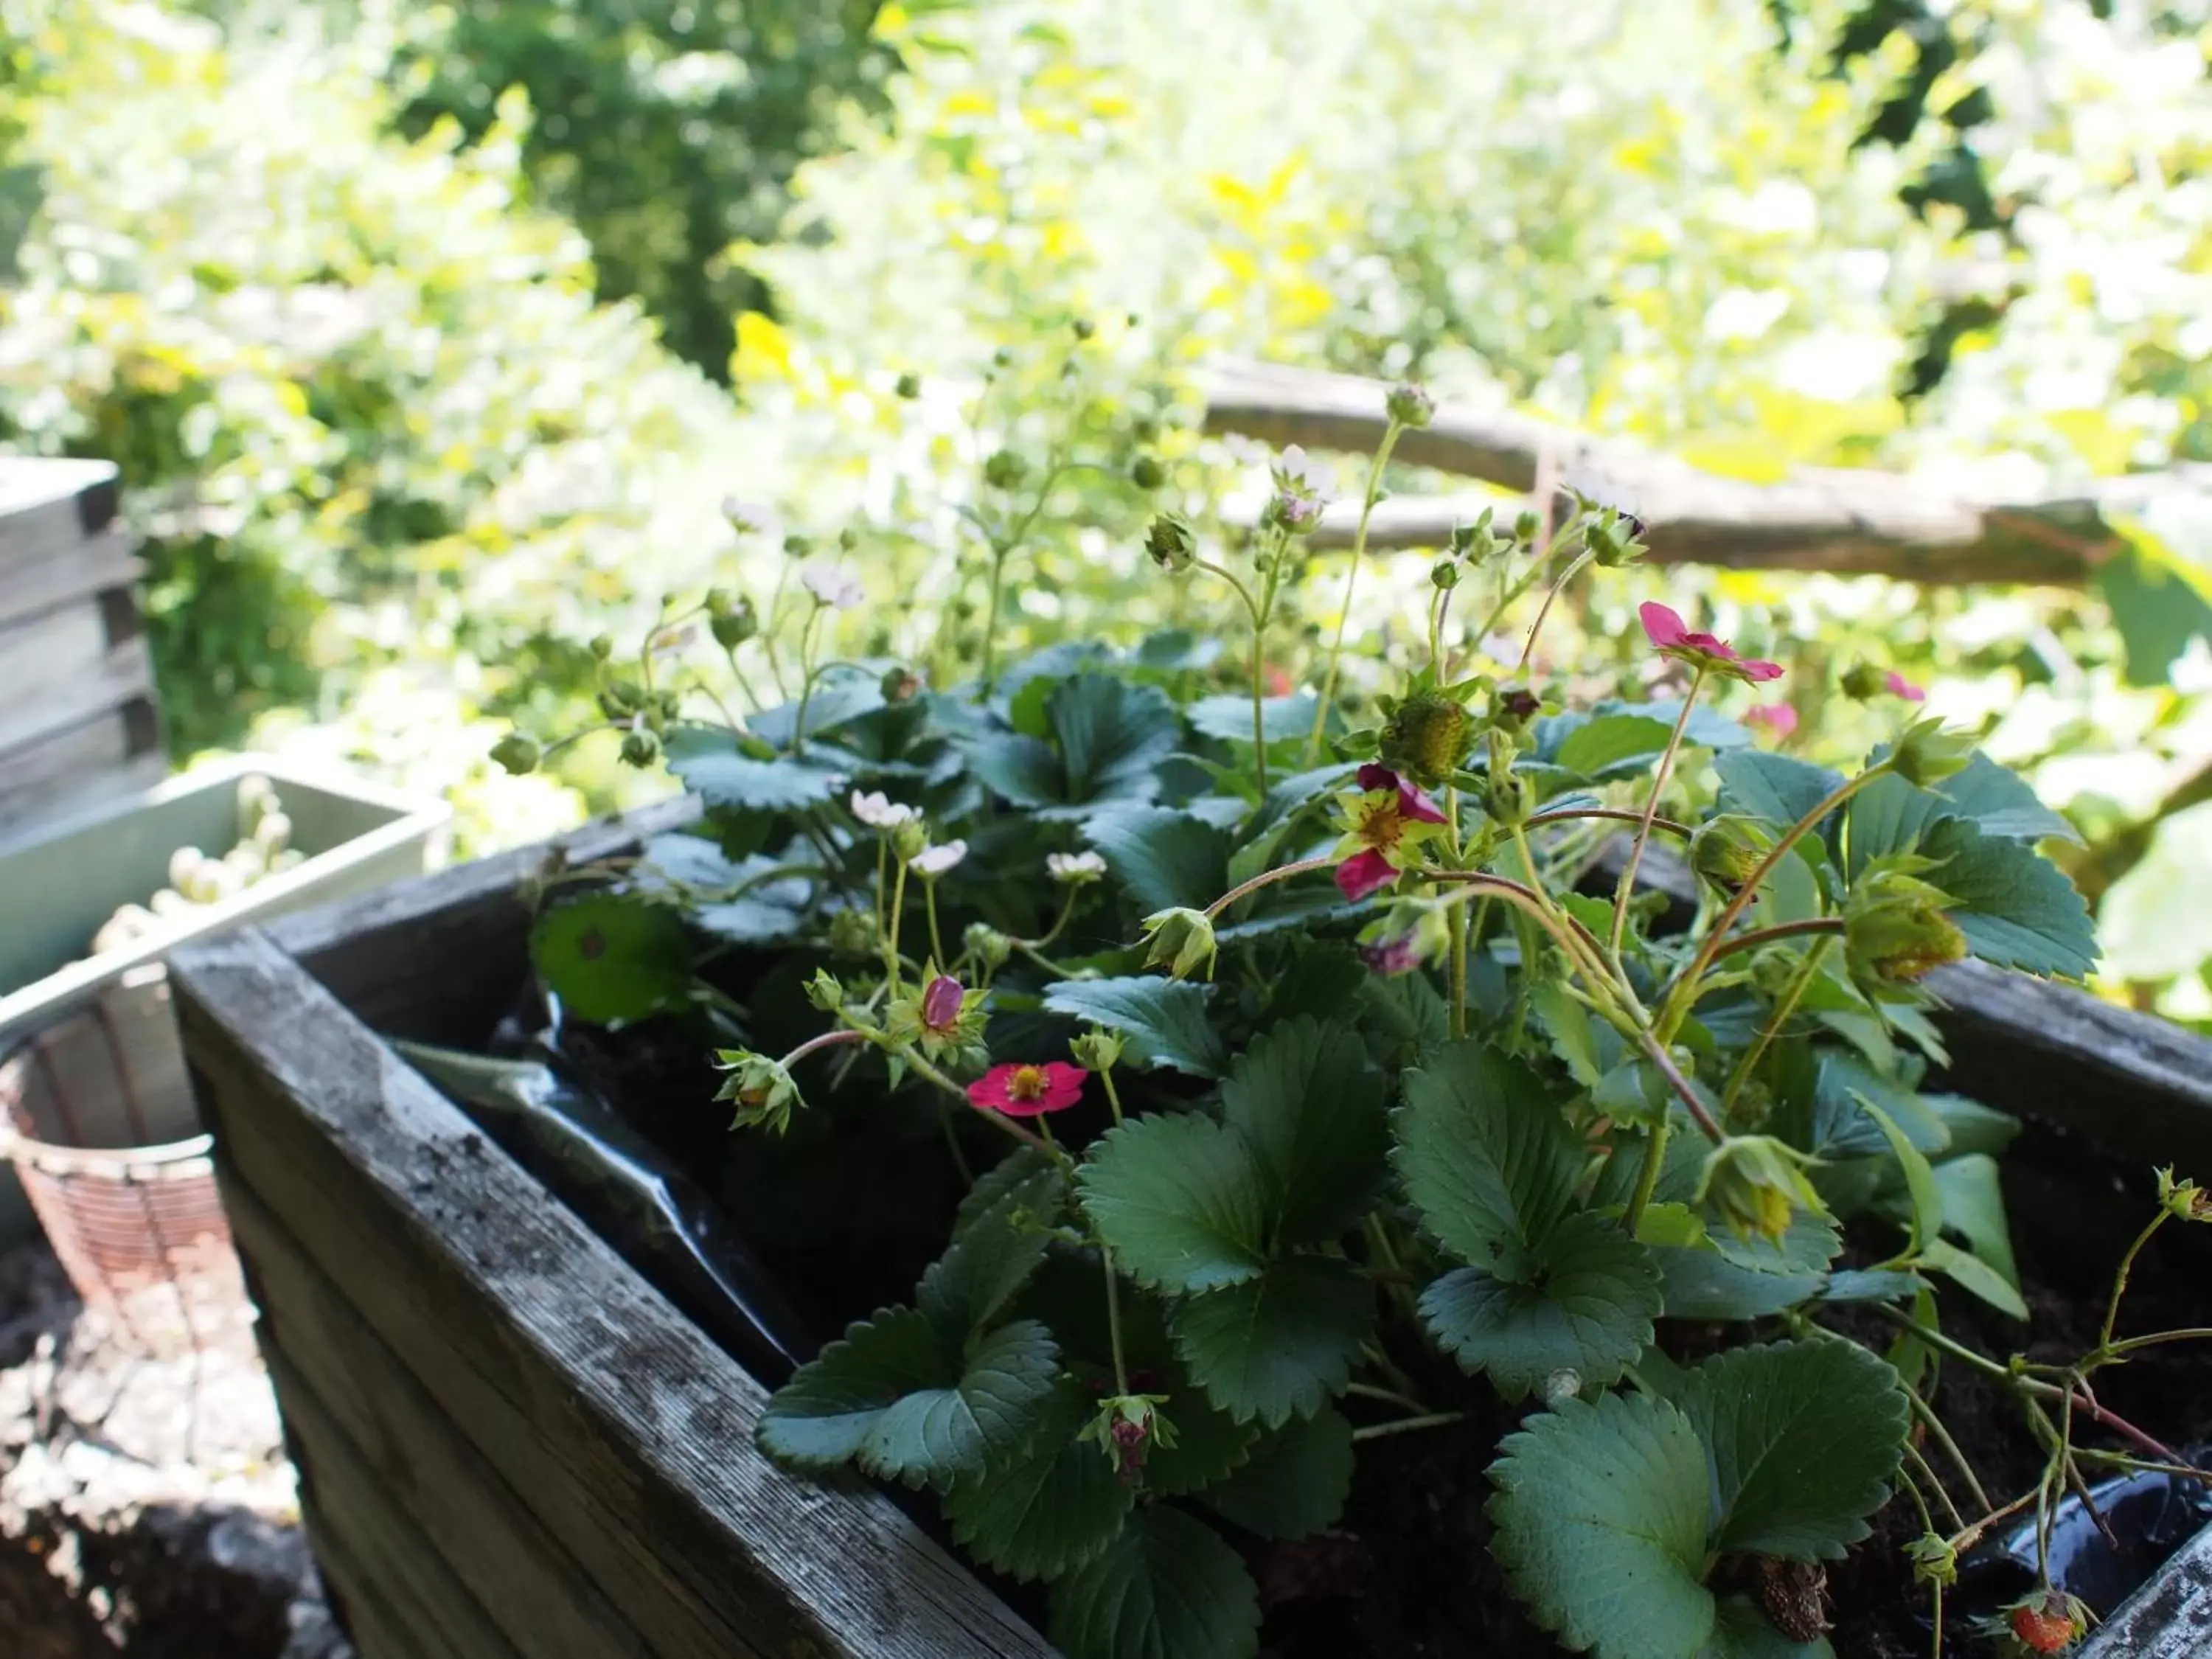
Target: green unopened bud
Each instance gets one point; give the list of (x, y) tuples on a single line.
[(763, 1090), (639, 747), (908, 838), (986, 943), (1428, 738), (1182, 942), (2184, 1200), (1146, 472), (732, 624), (1611, 537), (1727, 850), (1863, 681), (1096, 1050), (1528, 525), (1004, 470), (909, 386), (603, 646), (1927, 754), (1771, 971), (1510, 797), (1085, 328), (848, 539), (1898, 932), (1172, 543), (798, 546), (1409, 405), (853, 933), (1512, 707), (1755, 1183), (824, 992), (900, 684), (1444, 574), (1934, 1560), (518, 754), (620, 699)]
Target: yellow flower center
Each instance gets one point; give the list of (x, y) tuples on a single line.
[(1380, 826), (1028, 1082)]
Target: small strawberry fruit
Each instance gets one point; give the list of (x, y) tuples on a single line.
[(2050, 1621)]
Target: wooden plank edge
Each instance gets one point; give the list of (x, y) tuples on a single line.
[(2170, 1616), (838, 1568)]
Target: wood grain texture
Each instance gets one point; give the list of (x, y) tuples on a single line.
[(2169, 1618), (624, 1430), (73, 572), (1828, 519), (462, 1513)]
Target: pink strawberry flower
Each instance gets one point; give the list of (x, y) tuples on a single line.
[(1384, 827), (1666, 630), (1778, 718), (1025, 1090), (1897, 686)]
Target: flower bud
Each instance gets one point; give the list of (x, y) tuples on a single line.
[(1146, 472), (518, 754), (1444, 574), (1755, 1183), (1528, 525), (900, 684), (1934, 1560), (1510, 797), (1727, 851), (732, 624), (848, 539), (1172, 543), (1085, 328), (909, 838), (1927, 754), (798, 546), (1863, 681), (603, 646), (1182, 942), (986, 943), (763, 1090), (2184, 1200), (1096, 1050), (1410, 404), (853, 933), (1075, 869), (620, 699), (909, 386), (1004, 470), (1512, 707), (1127, 1427), (1610, 537), (824, 992), (1427, 739), (639, 747), (1897, 931)]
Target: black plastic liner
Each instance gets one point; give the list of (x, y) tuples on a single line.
[(619, 1185), (2150, 1516)]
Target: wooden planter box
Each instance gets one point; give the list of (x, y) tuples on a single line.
[(512, 1448)]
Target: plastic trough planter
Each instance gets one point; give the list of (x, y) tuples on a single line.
[(513, 1448), (92, 1073)]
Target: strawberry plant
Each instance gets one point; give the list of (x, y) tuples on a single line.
[(1313, 1051)]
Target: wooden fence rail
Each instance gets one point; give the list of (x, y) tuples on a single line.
[(1816, 519)]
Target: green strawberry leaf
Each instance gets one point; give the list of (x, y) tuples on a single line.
[(1612, 746), (712, 766), (894, 1397), (1164, 1019), (1772, 787), (1486, 1157), (612, 959), (1181, 1200), (1279, 1345), (1024, 1182), (1295, 1483), (1972, 1275), (1057, 1502), (1925, 1217), (1163, 857), (1731, 1278), (1741, 1631), (1167, 1587), (1307, 1101), (983, 1270), (2002, 802), (1230, 718), (1974, 1209), (1601, 1508), (1803, 1440), (1589, 1311), (2016, 909)]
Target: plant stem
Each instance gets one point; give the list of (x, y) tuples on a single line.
[(1626, 888), (1266, 878), (1408, 1424), (1113, 1321), (1455, 922), (2194, 1334), (929, 904), (1258, 708), (1550, 597), (1561, 815), (1388, 1396), (807, 683), (1941, 1435), (898, 911), (1006, 1124), (1351, 582), (1647, 1173), (1927, 1474), (814, 1044), (2120, 1279), (1113, 1095), (1792, 995)]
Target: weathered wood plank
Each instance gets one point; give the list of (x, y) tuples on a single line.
[(115, 676), (77, 572), (394, 1603), (625, 1430), (458, 1507), (46, 505), (1830, 520), (438, 960), (2169, 1618)]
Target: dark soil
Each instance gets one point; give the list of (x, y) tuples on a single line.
[(847, 1210)]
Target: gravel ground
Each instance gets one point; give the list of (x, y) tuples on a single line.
[(146, 1506)]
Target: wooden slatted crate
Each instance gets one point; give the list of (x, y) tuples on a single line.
[(79, 721), (511, 1445)]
